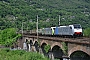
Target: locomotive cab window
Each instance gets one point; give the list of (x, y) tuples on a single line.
[(77, 26)]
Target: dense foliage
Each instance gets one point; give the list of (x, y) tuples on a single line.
[(6, 54), (87, 32), (8, 36), (47, 48), (15, 12), (65, 48)]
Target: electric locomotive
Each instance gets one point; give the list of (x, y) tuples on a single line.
[(71, 30)]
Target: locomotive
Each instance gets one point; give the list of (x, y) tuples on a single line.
[(70, 30)]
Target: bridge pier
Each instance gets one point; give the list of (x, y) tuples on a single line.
[(50, 55), (66, 58), (24, 46), (29, 47)]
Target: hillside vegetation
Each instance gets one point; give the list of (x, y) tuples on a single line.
[(14, 12)]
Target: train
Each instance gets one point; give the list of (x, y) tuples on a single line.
[(74, 30)]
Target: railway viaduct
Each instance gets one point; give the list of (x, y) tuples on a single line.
[(60, 48)]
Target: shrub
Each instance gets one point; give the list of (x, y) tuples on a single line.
[(6, 54), (87, 32)]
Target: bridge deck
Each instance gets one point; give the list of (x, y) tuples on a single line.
[(81, 40)]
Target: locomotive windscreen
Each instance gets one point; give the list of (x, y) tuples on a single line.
[(77, 26)]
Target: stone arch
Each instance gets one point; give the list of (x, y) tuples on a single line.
[(77, 48), (56, 43), (26, 40), (43, 42), (80, 55), (31, 45), (30, 42), (43, 50), (35, 42)]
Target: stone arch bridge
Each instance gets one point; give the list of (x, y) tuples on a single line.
[(60, 48)]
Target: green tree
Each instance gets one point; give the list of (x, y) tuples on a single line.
[(8, 36), (47, 48), (87, 32), (65, 48)]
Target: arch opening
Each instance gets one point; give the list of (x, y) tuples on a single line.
[(36, 46), (26, 40), (79, 55), (57, 52), (43, 50), (31, 42)]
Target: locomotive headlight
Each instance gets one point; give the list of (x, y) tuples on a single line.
[(78, 33)]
